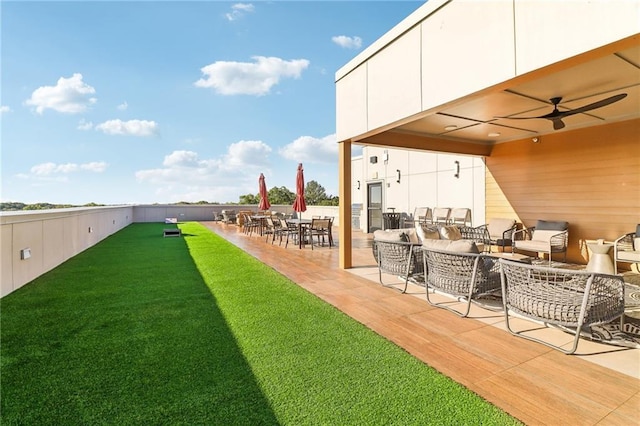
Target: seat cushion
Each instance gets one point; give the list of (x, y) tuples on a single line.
[(457, 246), (543, 235), (496, 227), (406, 235), (629, 256), (395, 236)]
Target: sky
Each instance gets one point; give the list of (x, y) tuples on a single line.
[(159, 102)]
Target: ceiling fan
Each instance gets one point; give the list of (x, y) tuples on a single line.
[(556, 115)]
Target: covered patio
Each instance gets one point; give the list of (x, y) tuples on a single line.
[(443, 80)]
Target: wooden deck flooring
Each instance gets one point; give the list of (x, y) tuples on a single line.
[(536, 384)]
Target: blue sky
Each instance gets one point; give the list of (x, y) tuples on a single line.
[(156, 101)]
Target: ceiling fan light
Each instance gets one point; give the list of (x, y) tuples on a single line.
[(493, 134)]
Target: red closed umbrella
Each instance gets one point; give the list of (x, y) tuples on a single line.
[(299, 205), (264, 195)]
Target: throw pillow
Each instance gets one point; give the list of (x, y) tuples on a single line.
[(450, 233), (424, 232), (392, 237)]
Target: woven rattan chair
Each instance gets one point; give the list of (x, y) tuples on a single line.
[(546, 237), (627, 248), (403, 259), (500, 232), (570, 299), (479, 235), (466, 276)]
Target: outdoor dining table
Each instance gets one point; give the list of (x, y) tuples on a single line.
[(302, 224), (261, 220)]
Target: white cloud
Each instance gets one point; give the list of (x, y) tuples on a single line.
[(123, 106), (185, 176), (4, 108), (94, 166), (131, 127), (238, 10), (181, 159), (85, 125), (249, 78), (247, 153), (347, 42), (307, 149), (46, 169), (69, 95)]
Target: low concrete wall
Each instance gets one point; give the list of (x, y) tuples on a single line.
[(51, 237), (54, 236)]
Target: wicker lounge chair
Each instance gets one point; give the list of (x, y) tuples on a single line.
[(546, 237), (395, 254), (567, 298), (500, 232), (460, 271), (627, 248), (479, 235)]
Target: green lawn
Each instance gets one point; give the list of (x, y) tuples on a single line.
[(142, 329)]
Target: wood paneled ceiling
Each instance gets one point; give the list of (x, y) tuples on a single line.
[(579, 81)]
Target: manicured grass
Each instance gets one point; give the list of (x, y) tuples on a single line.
[(142, 329)]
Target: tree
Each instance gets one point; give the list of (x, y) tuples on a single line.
[(249, 199), (314, 193), (330, 201), (281, 195)]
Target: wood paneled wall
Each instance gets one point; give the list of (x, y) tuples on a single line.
[(589, 177)]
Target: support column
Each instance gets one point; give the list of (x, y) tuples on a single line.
[(345, 260)]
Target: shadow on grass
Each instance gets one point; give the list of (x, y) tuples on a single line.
[(126, 332)]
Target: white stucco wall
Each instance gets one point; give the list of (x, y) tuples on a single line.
[(427, 179), (449, 49)]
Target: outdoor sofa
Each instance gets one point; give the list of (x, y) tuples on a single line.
[(399, 251)]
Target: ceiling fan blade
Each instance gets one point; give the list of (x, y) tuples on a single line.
[(595, 105), (557, 123)]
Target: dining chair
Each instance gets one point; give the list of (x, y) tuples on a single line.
[(320, 229)]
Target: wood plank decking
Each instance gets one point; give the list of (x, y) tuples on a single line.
[(532, 382)]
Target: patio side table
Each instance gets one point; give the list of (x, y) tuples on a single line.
[(600, 260)]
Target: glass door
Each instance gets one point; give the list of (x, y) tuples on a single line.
[(374, 206)]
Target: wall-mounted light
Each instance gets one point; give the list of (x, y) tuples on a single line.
[(373, 159), (90, 229), (25, 253), (398, 177), (535, 140), (457, 174), (385, 156), (358, 184)]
